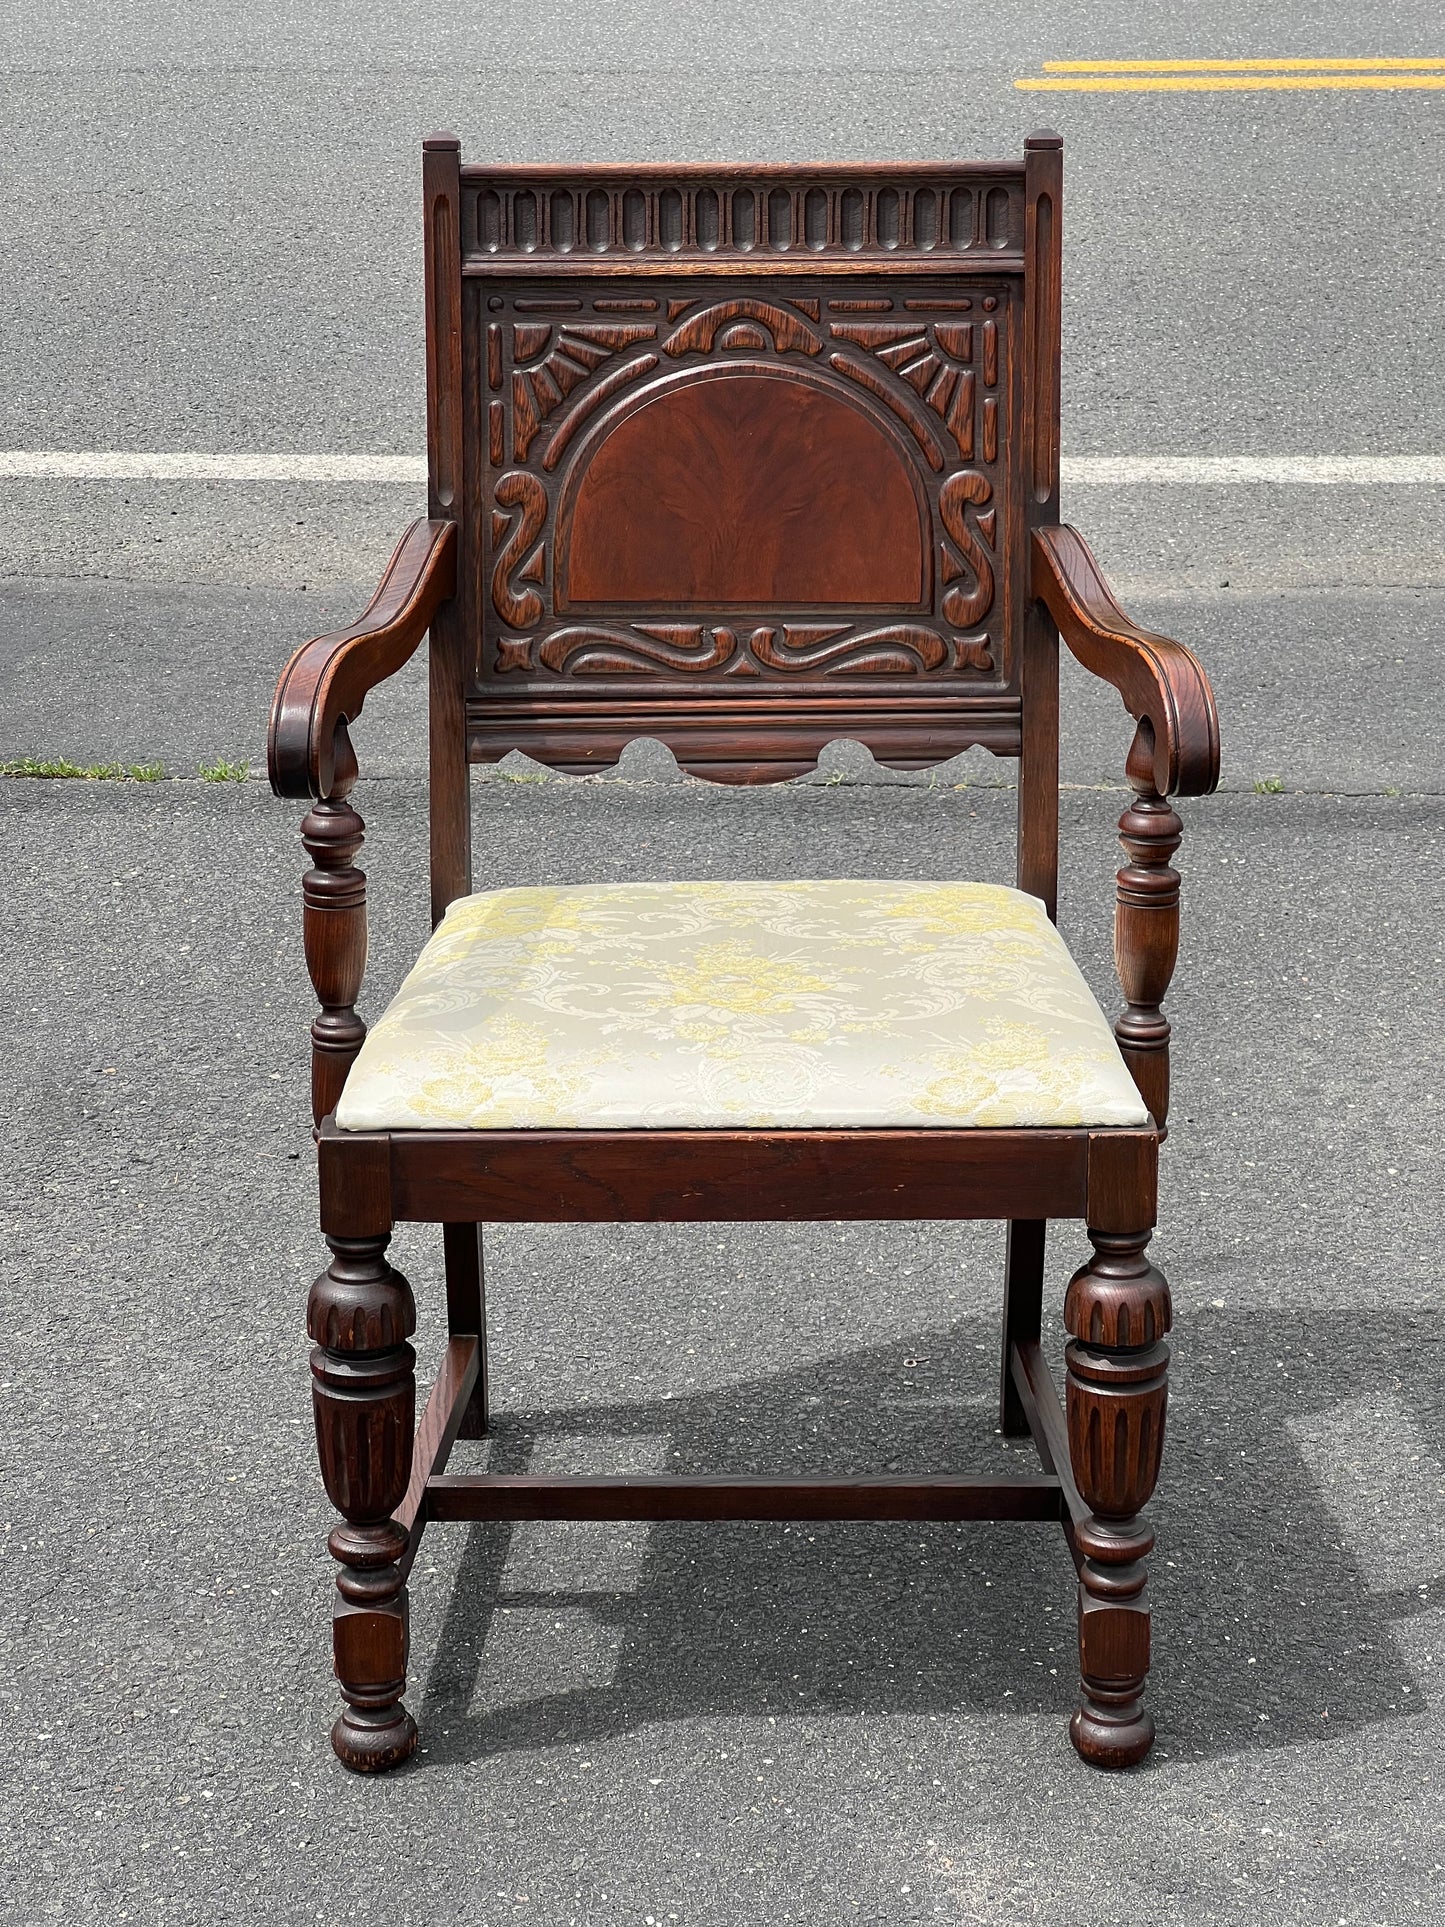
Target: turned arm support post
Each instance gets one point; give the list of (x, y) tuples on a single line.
[(1175, 752), (309, 754)]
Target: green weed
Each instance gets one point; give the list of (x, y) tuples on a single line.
[(54, 767)]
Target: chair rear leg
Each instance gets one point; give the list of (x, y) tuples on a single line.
[(360, 1314), (1117, 1312), (1023, 1291), (467, 1314)]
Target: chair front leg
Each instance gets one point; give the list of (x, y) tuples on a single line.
[(1117, 1312), (360, 1314)]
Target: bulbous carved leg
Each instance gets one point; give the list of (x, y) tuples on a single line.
[(1117, 1312), (360, 1314)]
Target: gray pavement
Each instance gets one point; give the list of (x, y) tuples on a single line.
[(210, 244), (759, 1724)]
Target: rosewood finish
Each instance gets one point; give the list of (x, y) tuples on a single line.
[(744, 460)]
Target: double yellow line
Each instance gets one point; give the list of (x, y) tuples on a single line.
[(1232, 76)]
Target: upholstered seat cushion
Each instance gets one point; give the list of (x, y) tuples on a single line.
[(709, 1005)]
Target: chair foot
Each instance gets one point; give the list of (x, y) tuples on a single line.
[(1112, 1730), (374, 1739)]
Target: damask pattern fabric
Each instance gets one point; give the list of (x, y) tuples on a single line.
[(713, 1005)]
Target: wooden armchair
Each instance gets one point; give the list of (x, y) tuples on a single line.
[(744, 460)]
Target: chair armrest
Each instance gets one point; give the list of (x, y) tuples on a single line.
[(1165, 689), (325, 683)]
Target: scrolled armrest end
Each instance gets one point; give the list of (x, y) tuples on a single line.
[(1175, 751), (323, 687)]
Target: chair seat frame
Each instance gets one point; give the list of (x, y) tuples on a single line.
[(1098, 1447)]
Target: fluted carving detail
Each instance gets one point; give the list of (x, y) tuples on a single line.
[(1116, 1425), (360, 1303), (361, 1314), (365, 1418), (1117, 1311), (1118, 1301)]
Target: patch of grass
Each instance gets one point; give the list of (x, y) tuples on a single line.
[(834, 778), (523, 775), (56, 767), (1268, 786), (223, 772)]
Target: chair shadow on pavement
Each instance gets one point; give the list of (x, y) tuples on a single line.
[(1283, 1570)]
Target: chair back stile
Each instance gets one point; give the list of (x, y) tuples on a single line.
[(743, 460)]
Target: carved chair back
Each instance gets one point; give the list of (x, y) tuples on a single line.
[(743, 460)]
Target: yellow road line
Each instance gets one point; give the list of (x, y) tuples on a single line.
[(1232, 66), (1232, 83)]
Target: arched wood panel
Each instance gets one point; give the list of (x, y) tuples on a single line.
[(741, 488)]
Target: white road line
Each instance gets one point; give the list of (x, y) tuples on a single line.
[(86, 465), (1089, 471), (1285, 471)]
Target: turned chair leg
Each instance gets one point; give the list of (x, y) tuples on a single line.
[(467, 1314), (1117, 1313), (360, 1314), (1023, 1294)]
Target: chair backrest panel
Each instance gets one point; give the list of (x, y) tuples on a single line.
[(743, 459)]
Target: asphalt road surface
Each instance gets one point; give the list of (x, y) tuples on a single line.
[(210, 245)]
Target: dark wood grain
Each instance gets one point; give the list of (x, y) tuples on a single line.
[(452, 428), (745, 460), (333, 894), (542, 1177), (467, 1315), (326, 682), (360, 1316), (441, 1426), (1175, 752), (1123, 1182), (1039, 1398), (736, 740), (1034, 501), (1146, 943), (1037, 841), (1117, 1311), (955, 218), (1023, 1292), (1162, 683), (752, 491), (732, 1496)]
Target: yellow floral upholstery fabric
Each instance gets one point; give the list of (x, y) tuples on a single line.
[(708, 1005)]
